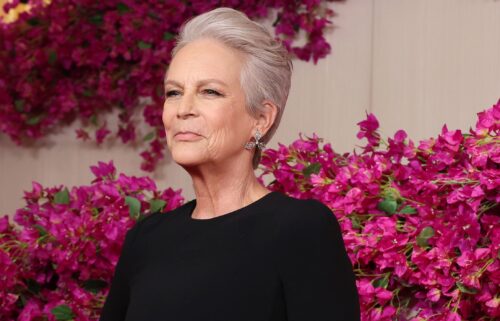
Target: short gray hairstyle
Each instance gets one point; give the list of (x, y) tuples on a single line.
[(267, 70)]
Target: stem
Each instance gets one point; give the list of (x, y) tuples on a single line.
[(455, 308), (481, 271), (366, 274), (453, 182)]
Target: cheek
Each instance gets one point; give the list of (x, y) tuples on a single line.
[(228, 133), (166, 117), (220, 139)]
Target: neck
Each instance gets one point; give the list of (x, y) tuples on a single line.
[(224, 188)]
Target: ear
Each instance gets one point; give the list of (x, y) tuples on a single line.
[(266, 118)]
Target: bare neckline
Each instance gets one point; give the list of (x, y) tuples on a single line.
[(252, 206)]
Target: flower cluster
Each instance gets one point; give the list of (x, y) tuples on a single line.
[(78, 59), (59, 264), (421, 224)]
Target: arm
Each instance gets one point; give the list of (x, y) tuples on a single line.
[(316, 273), (116, 304)]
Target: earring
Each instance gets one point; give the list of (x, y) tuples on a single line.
[(257, 144)]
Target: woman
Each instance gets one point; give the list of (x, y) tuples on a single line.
[(238, 251)]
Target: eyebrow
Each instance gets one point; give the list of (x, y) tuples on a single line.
[(199, 82)]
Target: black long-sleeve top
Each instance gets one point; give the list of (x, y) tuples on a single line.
[(278, 258)]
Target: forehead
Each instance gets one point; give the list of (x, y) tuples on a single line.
[(205, 59)]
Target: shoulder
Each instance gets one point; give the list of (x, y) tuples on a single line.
[(307, 211), (307, 231), (305, 217), (148, 223)]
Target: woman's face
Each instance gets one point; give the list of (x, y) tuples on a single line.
[(203, 95)]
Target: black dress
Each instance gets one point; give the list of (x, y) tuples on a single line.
[(278, 258)]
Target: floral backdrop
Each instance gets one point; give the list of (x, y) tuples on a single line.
[(420, 222), (421, 225), (70, 60)]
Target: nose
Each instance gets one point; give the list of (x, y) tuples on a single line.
[(186, 106)]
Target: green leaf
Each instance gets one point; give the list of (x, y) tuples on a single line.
[(94, 286), (313, 168), (41, 230), (33, 286), (19, 105), (33, 21), (33, 120), (118, 37), (96, 19), (22, 300), (143, 45), (408, 210), (156, 205), (88, 93), (52, 57), (62, 312), (392, 193), (122, 8), (93, 119), (356, 223), (134, 206), (149, 136), (381, 282), (388, 205), (168, 36), (465, 289), (62, 197), (426, 233)]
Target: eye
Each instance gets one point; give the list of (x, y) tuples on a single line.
[(170, 93), (212, 92)]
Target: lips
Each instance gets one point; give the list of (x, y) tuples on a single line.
[(187, 132), (187, 136)]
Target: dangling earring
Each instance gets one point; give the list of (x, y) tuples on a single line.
[(257, 144)]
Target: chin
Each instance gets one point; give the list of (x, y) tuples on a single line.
[(187, 158)]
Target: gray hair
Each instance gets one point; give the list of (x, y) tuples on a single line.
[(267, 70)]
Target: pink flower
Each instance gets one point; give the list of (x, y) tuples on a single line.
[(417, 222), (368, 129), (103, 169), (452, 316), (82, 134), (433, 295), (72, 237), (101, 133)]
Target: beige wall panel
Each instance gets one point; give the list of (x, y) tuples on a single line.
[(331, 97), (434, 62)]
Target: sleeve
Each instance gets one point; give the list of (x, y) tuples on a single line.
[(317, 276), (116, 304)]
